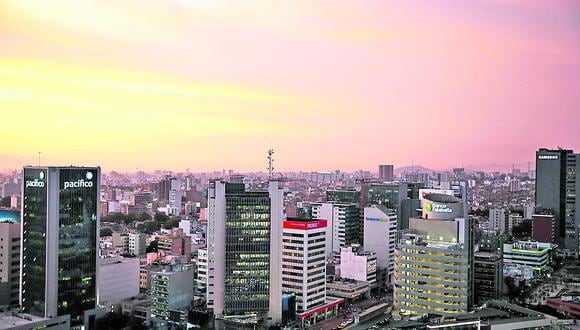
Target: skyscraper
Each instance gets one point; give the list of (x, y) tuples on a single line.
[(245, 250), (386, 172), (556, 190), (343, 224), (304, 262), (380, 237), (60, 236), (434, 260)]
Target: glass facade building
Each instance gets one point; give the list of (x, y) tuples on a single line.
[(247, 250), (59, 248)]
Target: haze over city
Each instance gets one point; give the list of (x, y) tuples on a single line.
[(208, 85)]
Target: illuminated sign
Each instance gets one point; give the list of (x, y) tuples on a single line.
[(80, 183), (37, 183), (548, 157), (439, 208), (9, 216), (304, 225)]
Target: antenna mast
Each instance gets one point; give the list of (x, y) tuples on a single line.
[(270, 163)]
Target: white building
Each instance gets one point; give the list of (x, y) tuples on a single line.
[(343, 224), (380, 233), (9, 263), (527, 253), (201, 280), (514, 219), (118, 280), (359, 265), (497, 220), (137, 244), (304, 262)]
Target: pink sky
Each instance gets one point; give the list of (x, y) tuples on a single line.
[(329, 84)]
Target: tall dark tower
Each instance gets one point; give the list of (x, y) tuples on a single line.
[(60, 237), (557, 190)]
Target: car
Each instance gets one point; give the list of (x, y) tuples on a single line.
[(342, 325), (349, 321)]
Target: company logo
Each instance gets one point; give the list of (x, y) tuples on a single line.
[(428, 207), (78, 184), (89, 175), (548, 157), (441, 208), (41, 175), (35, 184)]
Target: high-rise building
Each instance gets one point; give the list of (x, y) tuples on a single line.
[(9, 263), (488, 276), (245, 250), (434, 260), (386, 172), (304, 262), (343, 224), (497, 220), (60, 235), (380, 237), (169, 195), (544, 228), (558, 190)]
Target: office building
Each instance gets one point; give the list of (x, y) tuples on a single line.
[(434, 260), (137, 244), (556, 190), (171, 295), (380, 237), (9, 262), (118, 280), (343, 224), (513, 219), (358, 264), (386, 172), (536, 255), (60, 226), (304, 262), (488, 276), (245, 250), (544, 228)]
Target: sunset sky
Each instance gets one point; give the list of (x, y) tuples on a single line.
[(200, 84)]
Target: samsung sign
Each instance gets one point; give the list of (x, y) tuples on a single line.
[(548, 157), (80, 183)]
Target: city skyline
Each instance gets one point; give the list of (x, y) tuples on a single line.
[(208, 85)]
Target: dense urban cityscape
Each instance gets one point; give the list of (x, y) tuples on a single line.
[(386, 249), (290, 165)]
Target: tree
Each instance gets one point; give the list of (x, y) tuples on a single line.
[(522, 230), (106, 232), (173, 223), (161, 217), (152, 247)]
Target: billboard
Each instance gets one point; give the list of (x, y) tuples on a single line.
[(10, 216)]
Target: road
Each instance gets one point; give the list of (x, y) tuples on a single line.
[(343, 315)]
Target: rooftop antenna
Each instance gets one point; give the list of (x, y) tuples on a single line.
[(39, 157), (270, 163)]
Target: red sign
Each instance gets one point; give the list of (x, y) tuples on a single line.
[(305, 225)]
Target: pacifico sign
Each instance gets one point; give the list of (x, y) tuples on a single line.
[(80, 183), (37, 183)]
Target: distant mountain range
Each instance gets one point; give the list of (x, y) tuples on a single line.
[(503, 168)]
